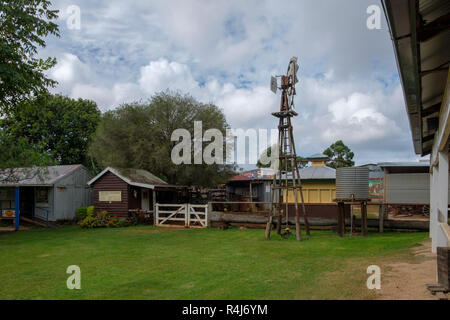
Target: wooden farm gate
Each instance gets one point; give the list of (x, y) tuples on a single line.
[(187, 215)]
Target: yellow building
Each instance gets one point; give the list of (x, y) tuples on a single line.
[(318, 182)]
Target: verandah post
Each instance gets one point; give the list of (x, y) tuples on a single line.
[(17, 208)]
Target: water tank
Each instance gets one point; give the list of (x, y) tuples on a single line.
[(352, 183)]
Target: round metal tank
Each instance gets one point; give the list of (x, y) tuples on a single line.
[(352, 183)]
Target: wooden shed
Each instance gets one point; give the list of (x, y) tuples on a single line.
[(119, 191)]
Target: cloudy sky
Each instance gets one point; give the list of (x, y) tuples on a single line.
[(224, 52)]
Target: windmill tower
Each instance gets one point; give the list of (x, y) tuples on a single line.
[(287, 181)]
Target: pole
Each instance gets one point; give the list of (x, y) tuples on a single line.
[(17, 208)]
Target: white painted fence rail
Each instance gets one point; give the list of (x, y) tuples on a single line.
[(193, 215)]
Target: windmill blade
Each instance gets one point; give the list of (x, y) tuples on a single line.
[(273, 84), (293, 69)]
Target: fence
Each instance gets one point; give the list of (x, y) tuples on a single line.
[(189, 215)]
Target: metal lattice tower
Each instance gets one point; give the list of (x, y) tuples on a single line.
[(288, 178)]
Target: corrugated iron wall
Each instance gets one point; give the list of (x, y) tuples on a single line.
[(316, 192)]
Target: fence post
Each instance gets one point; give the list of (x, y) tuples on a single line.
[(381, 218), (156, 215), (187, 215), (208, 209)]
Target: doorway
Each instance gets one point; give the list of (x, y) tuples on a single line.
[(145, 200), (27, 201)]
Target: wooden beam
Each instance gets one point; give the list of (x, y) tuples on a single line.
[(434, 28), (432, 109), (428, 138)]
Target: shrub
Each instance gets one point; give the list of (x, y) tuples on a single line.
[(89, 222), (113, 222), (130, 221), (103, 219), (81, 213), (90, 211)]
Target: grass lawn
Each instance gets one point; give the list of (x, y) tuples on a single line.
[(156, 263)]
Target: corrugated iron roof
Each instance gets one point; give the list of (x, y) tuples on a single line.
[(240, 178), (135, 177), (141, 176), (318, 173), (36, 176), (315, 173), (404, 164), (423, 59), (318, 156)]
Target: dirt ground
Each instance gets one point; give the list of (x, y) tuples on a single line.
[(408, 280)]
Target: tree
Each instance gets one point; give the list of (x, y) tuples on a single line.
[(24, 24), (58, 126), (301, 161), (138, 135), (340, 155), (18, 153)]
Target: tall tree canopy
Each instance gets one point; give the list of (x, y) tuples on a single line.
[(340, 155), (138, 135), (24, 24), (58, 126), (17, 152)]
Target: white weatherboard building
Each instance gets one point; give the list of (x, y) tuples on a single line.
[(420, 31)]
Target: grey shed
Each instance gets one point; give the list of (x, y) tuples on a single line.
[(52, 193)]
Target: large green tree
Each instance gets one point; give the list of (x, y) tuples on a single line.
[(138, 135), (340, 155), (18, 152), (24, 24), (58, 126)]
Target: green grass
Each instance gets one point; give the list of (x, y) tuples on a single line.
[(155, 263)]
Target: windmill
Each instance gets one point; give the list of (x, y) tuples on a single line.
[(288, 177)]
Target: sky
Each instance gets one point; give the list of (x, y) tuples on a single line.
[(224, 52)]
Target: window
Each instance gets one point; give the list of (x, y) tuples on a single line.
[(7, 198), (42, 196)]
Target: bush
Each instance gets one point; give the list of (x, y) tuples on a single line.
[(90, 211), (130, 221), (113, 222), (81, 213), (103, 219), (89, 222)]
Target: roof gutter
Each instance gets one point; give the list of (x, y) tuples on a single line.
[(407, 54)]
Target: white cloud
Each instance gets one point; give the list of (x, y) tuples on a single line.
[(162, 74), (225, 51), (357, 119)]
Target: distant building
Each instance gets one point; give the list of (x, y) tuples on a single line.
[(318, 184)]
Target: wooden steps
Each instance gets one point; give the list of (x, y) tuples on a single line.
[(42, 224)]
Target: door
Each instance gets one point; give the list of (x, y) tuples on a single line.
[(145, 202)]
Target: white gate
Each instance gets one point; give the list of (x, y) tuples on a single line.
[(189, 215)]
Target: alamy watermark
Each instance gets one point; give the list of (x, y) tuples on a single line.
[(74, 280), (374, 280), (72, 15), (373, 22)]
